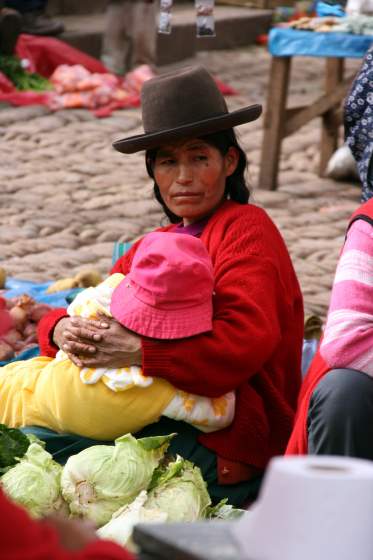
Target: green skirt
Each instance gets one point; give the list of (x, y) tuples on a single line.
[(186, 444)]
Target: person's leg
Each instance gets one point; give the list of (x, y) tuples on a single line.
[(340, 415), (34, 19), (144, 34), (116, 42), (10, 28), (23, 6)]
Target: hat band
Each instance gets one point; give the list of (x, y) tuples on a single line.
[(179, 122)]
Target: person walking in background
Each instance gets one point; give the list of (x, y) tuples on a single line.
[(130, 35), (34, 19), (10, 28)]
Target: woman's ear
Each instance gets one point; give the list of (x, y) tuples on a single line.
[(231, 161)]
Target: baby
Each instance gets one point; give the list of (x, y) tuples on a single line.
[(166, 295)]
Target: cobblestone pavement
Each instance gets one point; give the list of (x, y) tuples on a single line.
[(66, 195)]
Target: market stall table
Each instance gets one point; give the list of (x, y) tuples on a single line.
[(280, 121)]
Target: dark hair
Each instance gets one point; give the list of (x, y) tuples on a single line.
[(235, 187)]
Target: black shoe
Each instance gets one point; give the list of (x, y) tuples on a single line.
[(10, 28), (39, 23)]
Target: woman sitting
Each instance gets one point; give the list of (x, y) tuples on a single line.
[(335, 415), (254, 347)]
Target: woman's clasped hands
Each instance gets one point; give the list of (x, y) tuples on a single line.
[(98, 343)]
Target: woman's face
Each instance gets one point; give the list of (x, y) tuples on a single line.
[(191, 177)]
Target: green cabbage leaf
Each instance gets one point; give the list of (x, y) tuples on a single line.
[(13, 446), (224, 511), (119, 528), (180, 492), (101, 479), (34, 482), (177, 493)]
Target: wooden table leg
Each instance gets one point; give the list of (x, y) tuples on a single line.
[(334, 70), (274, 121)]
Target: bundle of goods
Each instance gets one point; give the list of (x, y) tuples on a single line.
[(49, 72), (71, 86), (113, 486), (14, 75), (19, 318), (320, 24), (282, 15), (85, 279), (75, 86), (355, 24)]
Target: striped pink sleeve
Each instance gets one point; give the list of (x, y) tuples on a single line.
[(348, 336)]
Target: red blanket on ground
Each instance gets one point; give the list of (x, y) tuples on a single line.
[(45, 55)]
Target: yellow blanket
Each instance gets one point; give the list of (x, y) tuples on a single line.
[(99, 403)]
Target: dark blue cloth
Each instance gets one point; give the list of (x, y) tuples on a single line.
[(26, 355), (358, 118), (23, 6), (294, 42), (62, 446)]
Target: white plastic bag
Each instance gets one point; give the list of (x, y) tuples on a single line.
[(354, 7), (165, 17), (342, 165), (205, 18)]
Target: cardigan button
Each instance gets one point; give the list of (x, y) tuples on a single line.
[(225, 471)]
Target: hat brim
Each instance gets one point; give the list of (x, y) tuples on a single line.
[(153, 322), (152, 140)]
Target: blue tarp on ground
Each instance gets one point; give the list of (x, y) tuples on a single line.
[(293, 42), (15, 287)]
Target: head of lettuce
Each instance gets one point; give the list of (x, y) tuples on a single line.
[(177, 493), (35, 482), (101, 479)]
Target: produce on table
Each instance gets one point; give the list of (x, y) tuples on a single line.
[(6, 352), (88, 278), (178, 493), (120, 527), (75, 86), (6, 321), (115, 486), (99, 480), (84, 279), (35, 482), (19, 318), (11, 66)]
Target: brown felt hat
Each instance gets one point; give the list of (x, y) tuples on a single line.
[(183, 104)]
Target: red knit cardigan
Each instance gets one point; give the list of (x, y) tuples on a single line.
[(256, 342), (298, 443)]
